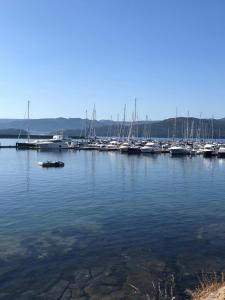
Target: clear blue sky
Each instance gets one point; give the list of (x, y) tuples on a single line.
[(67, 55)]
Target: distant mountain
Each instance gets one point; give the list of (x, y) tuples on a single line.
[(169, 128), (50, 125), (55, 124), (179, 127), (3, 121), (12, 131)]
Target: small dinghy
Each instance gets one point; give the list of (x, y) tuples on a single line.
[(51, 164)]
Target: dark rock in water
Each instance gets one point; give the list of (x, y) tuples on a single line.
[(105, 283), (96, 271), (80, 298), (118, 295), (28, 295), (57, 290), (4, 296), (76, 292), (67, 295), (99, 290), (82, 278)]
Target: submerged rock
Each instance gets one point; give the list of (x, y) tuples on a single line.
[(105, 283), (82, 277), (66, 295), (4, 296), (28, 295), (57, 290)]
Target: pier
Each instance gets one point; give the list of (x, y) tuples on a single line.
[(7, 146)]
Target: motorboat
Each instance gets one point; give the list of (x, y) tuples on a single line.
[(209, 150), (134, 149), (151, 147), (124, 148), (56, 143), (179, 150), (190, 150), (165, 148), (112, 146), (199, 151), (92, 146), (193, 151), (221, 152)]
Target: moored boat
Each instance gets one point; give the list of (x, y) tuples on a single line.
[(124, 148), (134, 150), (25, 145), (56, 143), (179, 150), (112, 146), (221, 152), (49, 164), (28, 144), (209, 150), (151, 147)]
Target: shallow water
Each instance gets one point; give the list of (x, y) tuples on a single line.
[(107, 225)]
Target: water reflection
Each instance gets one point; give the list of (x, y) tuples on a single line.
[(210, 164), (93, 169), (221, 162), (28, 171)]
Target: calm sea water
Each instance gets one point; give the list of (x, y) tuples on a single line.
[(108, 226)]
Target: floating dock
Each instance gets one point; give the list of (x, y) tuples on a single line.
[(7, 146)]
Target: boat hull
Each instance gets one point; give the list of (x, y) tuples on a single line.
[(52, 146), (221, 155), (124, 149), (208, 153), (25, 146), (134, 150), (150, 150), (179, 152)]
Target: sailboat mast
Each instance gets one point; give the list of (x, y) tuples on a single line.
[(123, 123), (135, 117), (175, 126), (212, 128), (94, 120), (188, 125), (28, 121), (86, 118)]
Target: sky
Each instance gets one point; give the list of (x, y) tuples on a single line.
[(67, 56)]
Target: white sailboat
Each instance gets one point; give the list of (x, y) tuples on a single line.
[(27, 144)]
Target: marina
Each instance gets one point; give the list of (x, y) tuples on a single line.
[(152, 147), (190, 144)]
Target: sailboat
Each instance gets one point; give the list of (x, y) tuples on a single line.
[(27, 145)]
